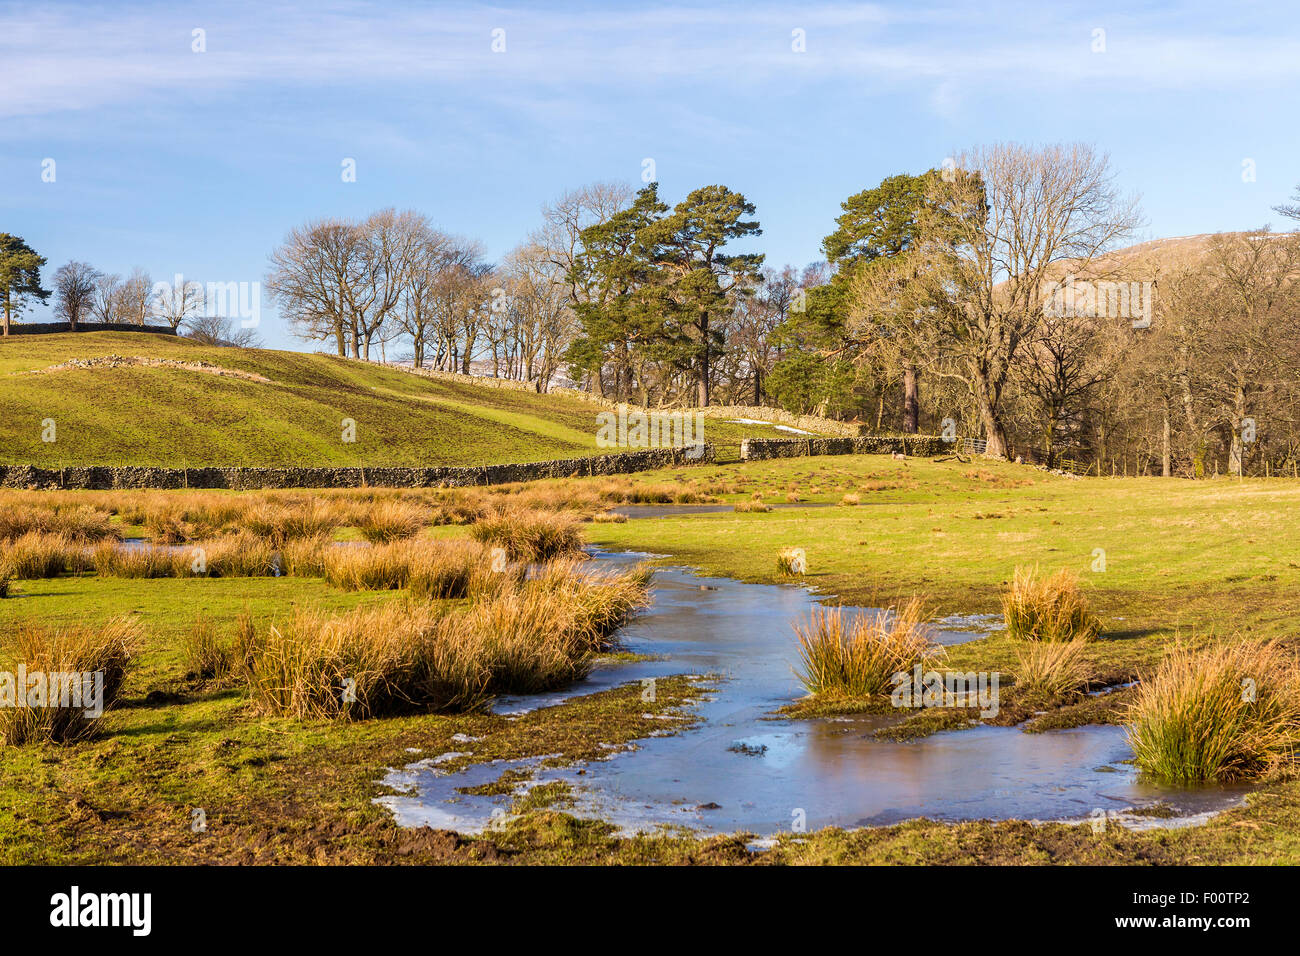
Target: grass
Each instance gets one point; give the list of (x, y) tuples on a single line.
[(790, 561), (524, 637), (66, 654), (294, 417), (1048, 608), (530, 535), (858, 657), (1214, 557), (1225, 712), (1052, 672)]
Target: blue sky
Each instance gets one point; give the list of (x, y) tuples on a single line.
[(199, 163)]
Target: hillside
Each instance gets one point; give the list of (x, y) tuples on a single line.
[(175, 402)]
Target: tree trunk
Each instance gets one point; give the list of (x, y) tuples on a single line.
[(702, 375), (1165, 469), (911, 400), (995, 435)]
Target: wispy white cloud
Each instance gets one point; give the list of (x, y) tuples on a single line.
[(55, 58)]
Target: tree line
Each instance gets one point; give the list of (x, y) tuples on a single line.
[(996, 297)]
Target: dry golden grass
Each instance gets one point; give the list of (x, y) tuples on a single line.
[(38, 555), (68, 651), (530, 535), (859, 657), (523, 637), (1048, 609), (387, 521), (1052, 672), (1226, 712)]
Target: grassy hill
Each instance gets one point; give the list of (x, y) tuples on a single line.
[(266, 407)]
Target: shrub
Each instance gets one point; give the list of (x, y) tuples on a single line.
[(1223, 713), (859, 657), (106, 651), (1048, 609)]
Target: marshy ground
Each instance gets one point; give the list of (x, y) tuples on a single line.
[(1191, 562)]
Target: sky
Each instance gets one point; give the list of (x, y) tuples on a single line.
[(194, 153)]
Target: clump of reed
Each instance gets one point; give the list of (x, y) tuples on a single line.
[(530, 636), (1052, 672), (459, 569), (240, 555), (391, 520), (791, 561), (1048, 608), (608, 517), (530, 535), (751, 506), (67, 712), (279, 524), (119, 561), (37, 554), (80, 524), (168, 526), (851, 500), (206, 655), (1226, 712), (858, 657), (5, 577)]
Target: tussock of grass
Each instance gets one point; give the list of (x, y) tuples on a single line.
[(1222, 713), (751, 506), (80, 524), (1048, 609), (791, 561), (107, 650), (391, 520), (859, 656), (206, 655), (536, 635), (530, 535), (40, 555), (1052, 672), (280, 524), (851, 500)]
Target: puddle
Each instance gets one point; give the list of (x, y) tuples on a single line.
[(740, 771)]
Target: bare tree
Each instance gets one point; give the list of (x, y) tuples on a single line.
[(221, 331), (74, 292), (106, 303), (179, 302), (135, 298), (312, 278), (1011, 217)]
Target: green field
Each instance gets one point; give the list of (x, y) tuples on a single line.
[(185, 418), (1194, 561)]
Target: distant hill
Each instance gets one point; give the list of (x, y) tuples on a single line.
[(129, 398)]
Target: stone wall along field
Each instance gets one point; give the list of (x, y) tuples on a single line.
[(247, 479), (760, 449)]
